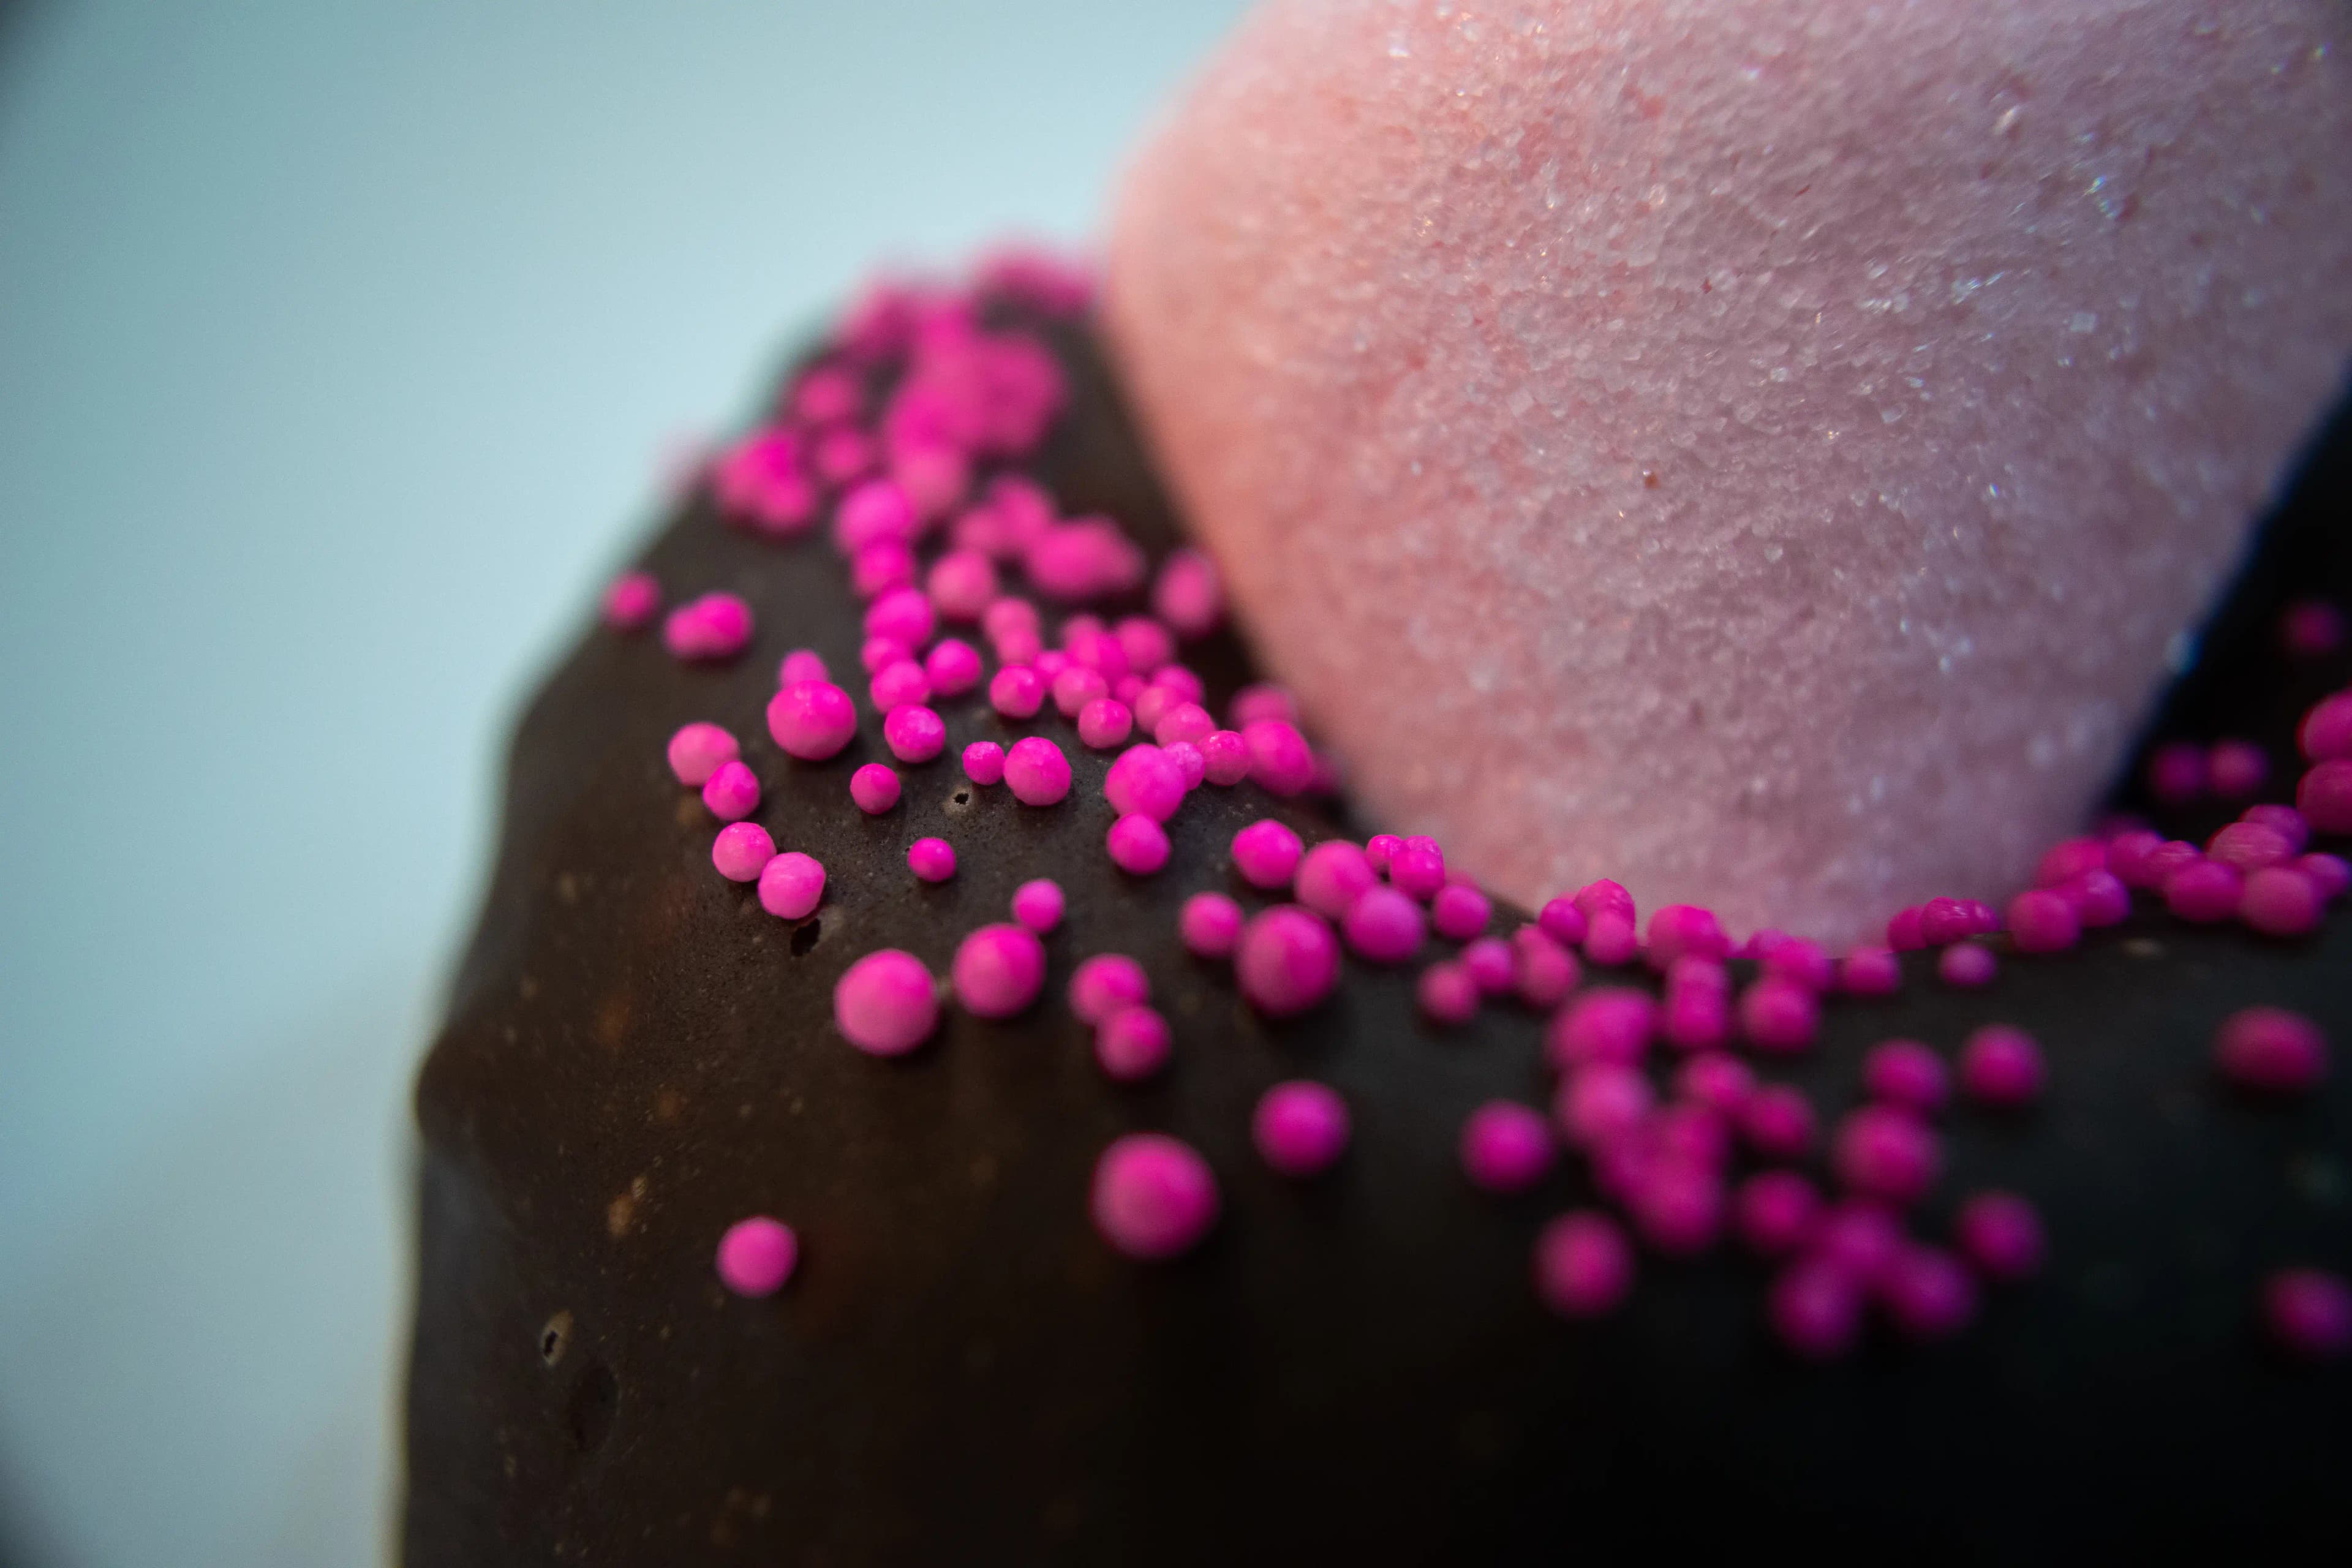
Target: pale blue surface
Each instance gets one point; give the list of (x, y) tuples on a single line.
[(340, 346)]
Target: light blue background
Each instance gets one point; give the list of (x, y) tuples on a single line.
[(340, 345)]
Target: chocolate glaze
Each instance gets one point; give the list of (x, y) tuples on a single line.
[(961, 1371)]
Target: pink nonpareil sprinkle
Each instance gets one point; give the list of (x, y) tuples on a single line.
[(1105, 722), (1778, 1122), (700, 750), (1904, 932), (1928, 1294), (1679, 928), (1189, 765), (1816, 1309), (1583, 1265), (1016, 692), (1137, 843), (2251, 846), (961, 584), (2204, 892), (2309, 1313), (1418, 868), (1224, 757), (1870, 971), (1861, 1238), (1153, 1196), (2176, 772), (1210, 925), (1075, 686), (876, 655), (632, 601), (1007, 614), (877, 509), (1383, 926), (1545, 972), (879, 567), (905, 613), (732, 792), (999, 970), (802, 664), (1280, 759), (1187, 594), (2330, 876), (932, 859), (2271, 1050), (1182, 684), (1300, 1128), (1036, 771), (2043, 920), (1908, 1074), (2281, 901), (742, 851), (1183, 721), (1967, 964), (1145, 780), (2002, 1234), (1695, 1018), (2325, 732), (1288, 961), (756, 1256), (885, 1003), (1886, 1152), (2324, 797), (1131, 1044), (791, 885), (1263, 702), (1599, 1103), (714, 628), (1776, 1213), (1447, 994), (2001, 1066), (1267, 852), (953, 667), (1505, 1147), (1102, 984), (2069, 858), (1718, 1080), (983, 763), (1778, 1014), (1331, 877), (1606, 1026), (1459, 912), (1800, 958), (1145, 642), (1610, 940), (897, 684), (1563, 922), (2236, 769), (812, 720), (1037, 905), (1679, 1208), (2098, 898), (1490, 963), (874, 787)]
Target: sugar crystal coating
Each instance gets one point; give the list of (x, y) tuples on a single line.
[(1036, 771), (1300, 1127), (1154, 1196), (699, 750), (999, 970), (757, 1256), (791, 885), (1505, 1146), (885, 1003), (1132, 1044), (812, 720), (1288, 961), (1210, 925), (1037, 904), (742, 851)]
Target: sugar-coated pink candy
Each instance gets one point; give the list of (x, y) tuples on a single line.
[(632, 600), (1720, 1081), (700, 750), (2002, 1234), (1153, 1196), (756, 1256), (1037, 904), (2176, 771), (878, 654), (2282, 820), (961, 584), (2098, 898), (1967, 964), (1418, 870), (2281, 901), (896, 683), (1776, 1212), (812, 720), (2329, 874), (932, 859), (2324, 795), (1543, 972), (802, 664), (1928, 1294), (1137, 843), (1016, 692), (1131, 1044), (1267, 852), (1678, 928), (1224, 755), (1601, 1102), (2204, 891), (1036, 771), (2325, 732), (1182, 684), (1288, 961), (791, 885), (2270, 1050), (1446, 993), (878, 508), (999, 970), (713, 628), (1490, 963), (1778, 1014), (885, 1003), (1862, 1237), (742, 851), (1679, 1208), (1816, 1309), (1183, 722), (1611, 1024), (1188, 762), (875, 788), (1800, 958), (953, 667), (1331, 877), (1610, 939), (1280, 759), (879, 567), (2001, 1066), (2309, 1313), (1105, 722), (1263, 702), (1459, 912), (1778, 1122), (1562, 921), (2236, 769), (1006, 614), (1383, 926), (2250, 845), (983, 763), (1870, 971), (1147, 780), (1187, 594), (732, 792), (1908, 1074), (1147, 643), (1076, 686), (1300, 1128), (905, 613), (1505, 1146), (1210, 925), (1904, 928), (2069, 858), (914, 733), (1108, 981), (1886, 1152), (1583, 1265), (2043, 920)]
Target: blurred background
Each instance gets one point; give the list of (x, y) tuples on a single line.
[(341, 347)]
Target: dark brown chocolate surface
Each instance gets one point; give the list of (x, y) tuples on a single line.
[(961, 1371)]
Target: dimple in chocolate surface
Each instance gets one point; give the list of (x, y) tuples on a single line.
[(638, 1056)]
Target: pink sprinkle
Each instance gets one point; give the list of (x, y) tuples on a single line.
[(1279, 757), (2069, 858), (886, 1003), (902, 613), (1037, 904), (2271, 1050), (1678, 928), (1180, 683), (879, 567), (1886, 1152), (1187, 595), (756, 1256), (1967, 965), (1380, 850), (897, 684), (1036, 771), (1777, 1122), (632, 601), (2098, 898), (1601, 1103), (802, 664), (1800, 958), (1151, 703), (876, 655), (1106, 983), (1904, 932), (732, 792), (2311, 628), (1776, 1213), (2309, 1311), (983, 763), (1546, 971), (1076, 687), (1145, 780), (1860, 1238), (1871, 972), (2176, 772), (1611, 941), (1929, 1294), (1595, 897), (2002, 1234), (953, 667), (878, 508), (1816, 1309), (2324, 797), (2041, 920), (1418, 868), (812, 720), (1563, 922), (1210, 925), (2281, 901), (2236, 769), (1459, 912), (1188, 762), (1147, 644), (715, 627), (2282, 820), (2204, 892), (700, 750), (1584, 1266), (1131, 1044), (932, 859), (1006, 615), (1908, 1074), (1016, 692), (1105, 722), (961, 584), (1945, 920), (1183, 721), (2325, 732), (1718, 1081), (1288, 961), (1224, 756), (1300, 1128), (1332, 876), (998, 971), (2329, 875), (1489, 961), (742, 851), (914, 733), (1446, 993), (1263, 702), (1505, 1147), (875, 788), (2159, 866), (1384, 925), (1607, 1025), (1679, 1207), (1153, 1196), (1778, 1014), (1138, 845), (791, 885), (1267, 854), (2250, 845), (2001, 1066)]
